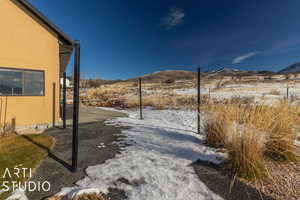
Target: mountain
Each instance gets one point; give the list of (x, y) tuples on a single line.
[(294, 68), (167, 75), (225, 71)]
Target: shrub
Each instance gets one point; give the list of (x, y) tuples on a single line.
[(169, 81), (239, 100), (204, 99), (274, 92)]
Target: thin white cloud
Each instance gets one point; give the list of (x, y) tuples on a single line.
[(174, 18), (241, 58)]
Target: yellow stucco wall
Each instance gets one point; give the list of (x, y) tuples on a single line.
[(24, 43)]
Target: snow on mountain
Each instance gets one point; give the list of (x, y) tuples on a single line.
[(227, 69), (294, 68)]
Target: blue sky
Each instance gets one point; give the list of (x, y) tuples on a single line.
[(127, 38)]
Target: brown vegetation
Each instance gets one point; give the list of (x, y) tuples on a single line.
[(92, 196), (253, 132), (125, 95), (6, 129), (274, 92)]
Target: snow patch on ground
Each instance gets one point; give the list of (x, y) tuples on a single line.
[(17, 195), (102, 145), (156, 163), (186, 91)]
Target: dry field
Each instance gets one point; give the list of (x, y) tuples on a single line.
[(157, 95)]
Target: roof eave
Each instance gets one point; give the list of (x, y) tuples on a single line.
[(64, 38)]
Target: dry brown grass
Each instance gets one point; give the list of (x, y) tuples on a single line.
[(162, 101), (125, 95), (251, 132), (282, 132), (274, 92), (246, 153), (92, 196)]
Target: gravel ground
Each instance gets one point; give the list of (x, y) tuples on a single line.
[(283, 182)]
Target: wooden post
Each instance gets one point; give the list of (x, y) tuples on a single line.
[(140, 95), (64, 100), (53, 104), (76, 107), (287, 92), (198, 102), (0, 111)]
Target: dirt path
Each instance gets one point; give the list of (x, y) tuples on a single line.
[(92, 133)]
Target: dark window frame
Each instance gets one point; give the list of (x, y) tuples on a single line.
[(24, 70)]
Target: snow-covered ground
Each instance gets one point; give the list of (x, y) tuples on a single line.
[(261, 92), (155, 161)]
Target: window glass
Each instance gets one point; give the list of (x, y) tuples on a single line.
[(15, 82), (10, 82), (33, 83)]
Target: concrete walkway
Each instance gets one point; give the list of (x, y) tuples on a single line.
[(92, 132)]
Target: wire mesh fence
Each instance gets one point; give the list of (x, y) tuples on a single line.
[(145, 95)]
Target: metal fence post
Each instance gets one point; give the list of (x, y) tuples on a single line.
[(64, 116), (287, 92), (76, 107), (140, 95), (198, 102)]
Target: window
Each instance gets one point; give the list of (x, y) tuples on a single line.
[(19, 82)]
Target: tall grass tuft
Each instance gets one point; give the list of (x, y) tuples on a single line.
[(252, 132), (282, 133), (246, 153)]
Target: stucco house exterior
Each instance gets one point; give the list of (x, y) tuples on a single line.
[(33, 56)]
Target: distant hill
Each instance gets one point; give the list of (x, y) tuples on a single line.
[(294, 68), (96, 82), (167, 75)]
